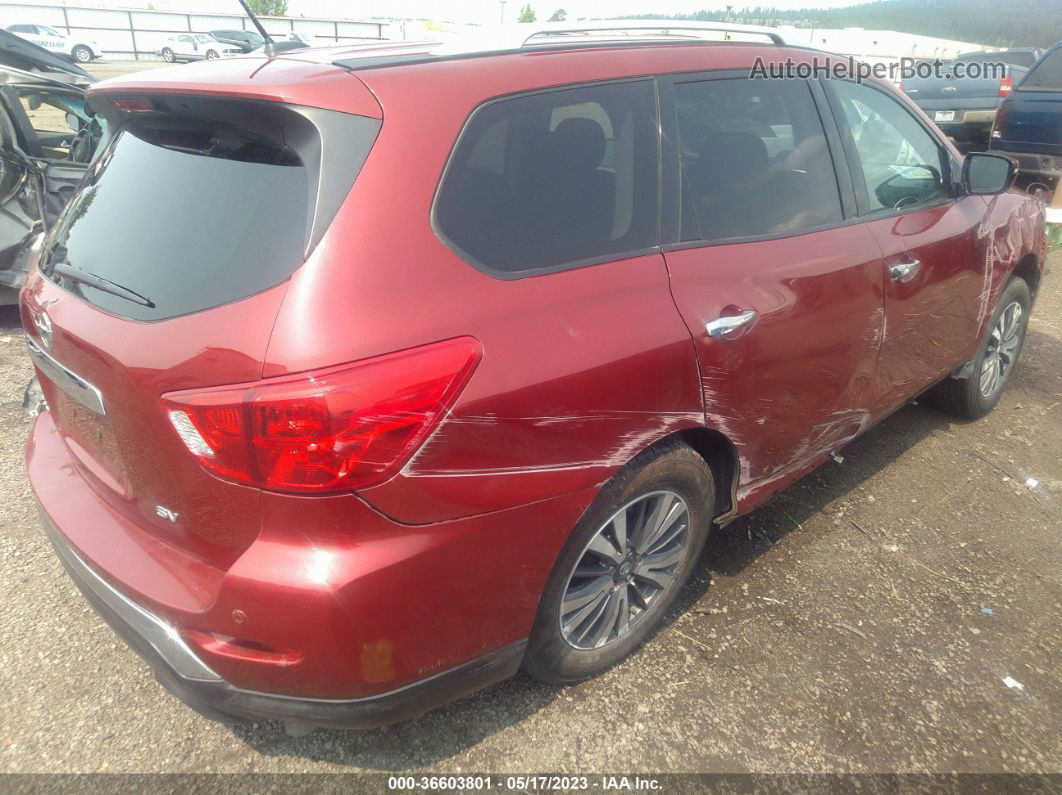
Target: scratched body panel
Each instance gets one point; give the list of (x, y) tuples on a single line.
[(796, 384)]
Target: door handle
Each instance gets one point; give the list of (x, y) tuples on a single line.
[(721, 327), (903, 272)]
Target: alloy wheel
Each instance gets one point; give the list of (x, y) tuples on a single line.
[(629, 563), (1002, 350)]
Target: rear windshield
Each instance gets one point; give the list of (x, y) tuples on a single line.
[(1047, 74), (183, 216)]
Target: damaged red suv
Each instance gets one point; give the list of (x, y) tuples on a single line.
[(374, 375)]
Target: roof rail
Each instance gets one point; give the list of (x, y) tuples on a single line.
[(624, 28), (501, 39)]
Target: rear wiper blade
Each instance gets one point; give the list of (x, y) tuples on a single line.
[(103, 285)]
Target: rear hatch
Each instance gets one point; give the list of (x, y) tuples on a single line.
[(166, 272)]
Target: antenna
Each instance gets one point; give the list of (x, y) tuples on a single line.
[(270, 47)]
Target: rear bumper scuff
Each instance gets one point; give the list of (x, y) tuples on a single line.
[(186, 676)]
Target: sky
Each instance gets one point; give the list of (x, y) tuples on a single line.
[(477, 11)]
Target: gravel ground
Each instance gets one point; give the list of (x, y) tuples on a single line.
[(898, 611)]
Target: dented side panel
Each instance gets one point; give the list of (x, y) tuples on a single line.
[(796, 384), (931, 321)]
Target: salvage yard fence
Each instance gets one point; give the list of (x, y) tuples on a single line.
[(137, 34)]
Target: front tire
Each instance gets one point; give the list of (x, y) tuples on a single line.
[(82, 54), (168, 55), (975, 396), (213, 55), (623, 565)]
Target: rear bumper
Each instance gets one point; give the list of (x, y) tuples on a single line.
[(969, 125), (185, 675), (336, 615)]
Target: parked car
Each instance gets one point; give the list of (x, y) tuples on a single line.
[(246, 40), (293, 41), (352, 413), (48, 135), (284, 45), (77, 47), (187, 47), (965, 107), (1028, 127)]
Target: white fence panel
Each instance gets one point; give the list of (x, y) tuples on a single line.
[(139, 34)]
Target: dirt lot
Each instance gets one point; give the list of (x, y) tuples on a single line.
[(898, 611)]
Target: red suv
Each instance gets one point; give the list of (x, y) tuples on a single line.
[(374, 375)]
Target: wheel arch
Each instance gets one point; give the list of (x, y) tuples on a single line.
[(1028, 268), (722, 458)]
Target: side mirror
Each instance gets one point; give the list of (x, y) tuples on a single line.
[(986, 175)]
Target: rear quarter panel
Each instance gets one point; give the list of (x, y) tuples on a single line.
[(581, 369)]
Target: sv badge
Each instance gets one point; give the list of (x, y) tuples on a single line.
[(166, 513)]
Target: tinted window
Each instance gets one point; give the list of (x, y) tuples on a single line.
[(754, 159), (553, 178), (1047, 73), (192, 214), (902, 163)]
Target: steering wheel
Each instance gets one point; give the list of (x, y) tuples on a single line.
[(83, 145)]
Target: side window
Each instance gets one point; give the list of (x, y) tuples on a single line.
[(754, 159), (56, 118), (902, 163), (554, 178)]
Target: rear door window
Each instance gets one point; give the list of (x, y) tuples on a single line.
[(554, 179), (754, 159)]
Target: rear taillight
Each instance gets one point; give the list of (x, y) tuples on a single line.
[(999, 125), (1006, 85), (339, 429)]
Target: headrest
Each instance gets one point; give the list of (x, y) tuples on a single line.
[(578, 144)]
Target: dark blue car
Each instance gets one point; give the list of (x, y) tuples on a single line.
[(1028, 125)]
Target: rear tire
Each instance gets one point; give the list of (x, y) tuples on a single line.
[(82, 54), (650, 524), (975, 396), (168, 55)]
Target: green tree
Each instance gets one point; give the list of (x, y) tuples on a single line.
[(527, 14), (560, 15), (269, 8)]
